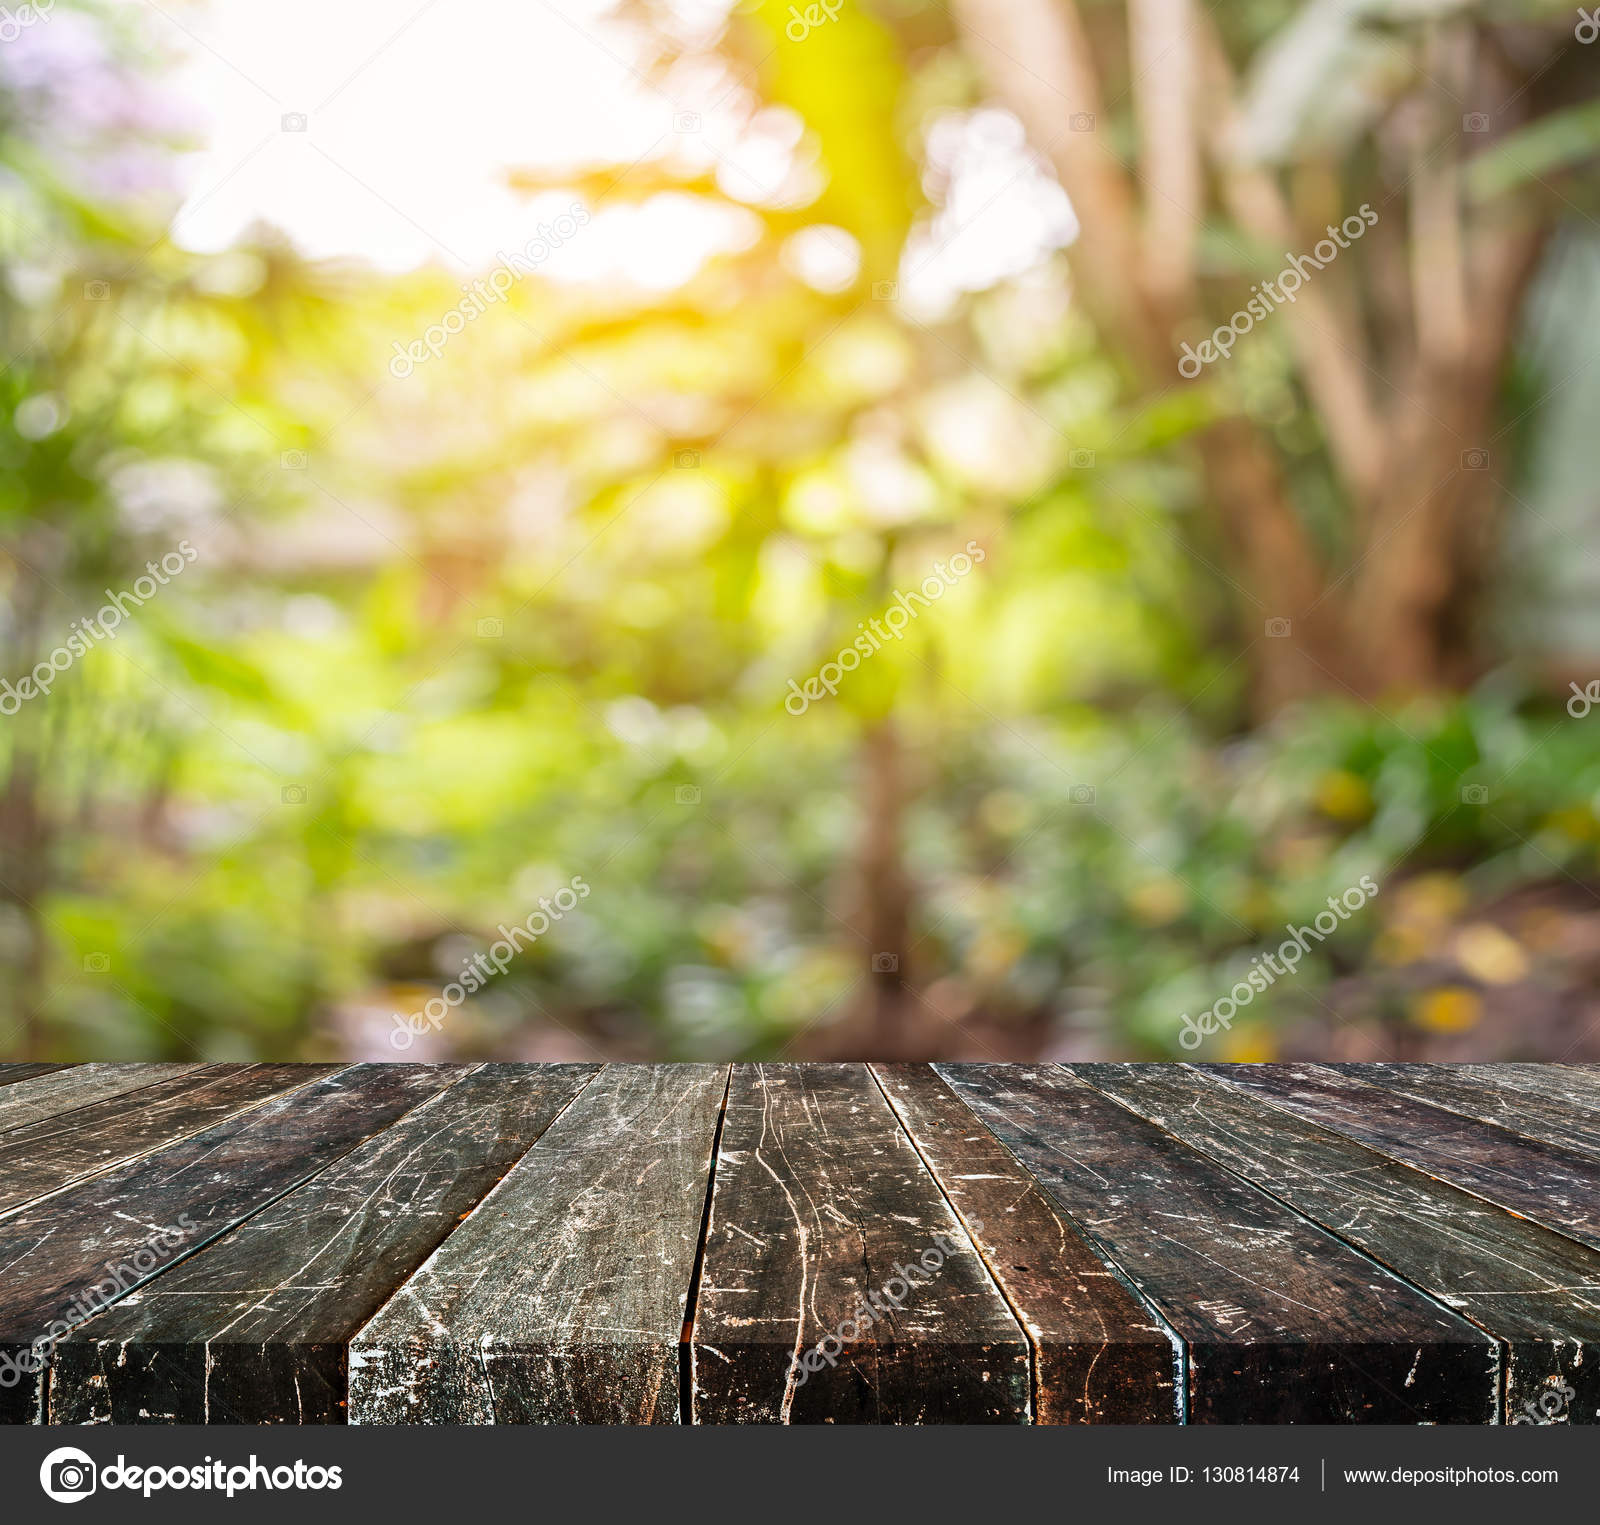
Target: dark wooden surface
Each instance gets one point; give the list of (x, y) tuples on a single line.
[(799, 1243)]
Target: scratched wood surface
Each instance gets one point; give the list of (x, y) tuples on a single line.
[(1568, 1117), (510, 1243), (826, 1226), (59, 1089), (1536, 1292), (1276, 1314), (1555, 1186), (256, 1327), (563, 1296), (1101, 1356)]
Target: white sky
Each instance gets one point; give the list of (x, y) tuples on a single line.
[(415, 111)]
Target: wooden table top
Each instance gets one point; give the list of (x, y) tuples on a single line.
[(848, 1243)]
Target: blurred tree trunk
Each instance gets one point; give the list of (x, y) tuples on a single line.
[(1407, 427), (25, 835), (883, 889)]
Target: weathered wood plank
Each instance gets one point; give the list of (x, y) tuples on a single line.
[(10, 1074), (1280, 1321), (67, 1258), (561, 1299), (66, 1090), (1535, 1290), (1099, 1354), (822, 1209), (43, 1157), (1574, 1085), (255, 1327), (1519, 1106), (1559, 1188)]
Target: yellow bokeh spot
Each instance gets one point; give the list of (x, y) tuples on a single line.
[(1490, 955), (1450, 1010), (993, 952), (1430, 899), (1249, 1048), (1401, 945), (1343, 797), (1158, 901)]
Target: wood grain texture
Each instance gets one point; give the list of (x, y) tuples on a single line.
[(1280, 1321), (1535, 1290), (562, 1298), (1567, 1116), (67, 1258), (254, 1328), (10, 1074), (1559, 1188), (821, 1219), (1100, 1356), (66, 1090), (45, 1156)]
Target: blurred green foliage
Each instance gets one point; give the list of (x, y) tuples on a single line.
[(532, 611)]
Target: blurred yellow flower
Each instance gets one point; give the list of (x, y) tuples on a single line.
[(1402, 944), (1490, 955), (994, 951), (1429, 899), (1254, 1047), (1576, 823), (1158, 901), (1452, 1009), (1343, 796)]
